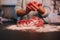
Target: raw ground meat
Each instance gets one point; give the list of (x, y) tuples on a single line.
[(34, 21)]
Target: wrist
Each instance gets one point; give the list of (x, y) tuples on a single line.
[(21, 12), (41, 10)]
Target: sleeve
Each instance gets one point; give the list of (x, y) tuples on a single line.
[(47, 6), (18, 5)]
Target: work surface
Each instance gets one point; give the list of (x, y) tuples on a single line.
[(8, 34), (44, 28)]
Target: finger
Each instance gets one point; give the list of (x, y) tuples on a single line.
[(27, 10), (33, 8), (28, 7), (35, 5), (29, 3), (39, 4)]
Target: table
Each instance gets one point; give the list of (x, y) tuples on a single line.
[(25, 35)]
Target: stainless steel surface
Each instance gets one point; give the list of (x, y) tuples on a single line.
[(21, 35)]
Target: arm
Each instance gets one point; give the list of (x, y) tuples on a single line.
[(47, 7), (42, 10), (19, 10)]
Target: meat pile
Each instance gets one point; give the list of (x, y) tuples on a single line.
[(32, 22)]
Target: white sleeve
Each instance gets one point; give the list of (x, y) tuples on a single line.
[(47, 6), (18, 5), (47, 11)]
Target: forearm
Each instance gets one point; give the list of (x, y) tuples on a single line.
[(21, 12), (44, 11), (47, 7), (41, 10)]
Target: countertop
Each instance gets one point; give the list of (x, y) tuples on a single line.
[(25, 35)]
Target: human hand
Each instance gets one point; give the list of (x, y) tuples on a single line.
[(33, 6)]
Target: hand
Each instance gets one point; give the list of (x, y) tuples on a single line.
[(30, 7), (38, 7), (33, 6)]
